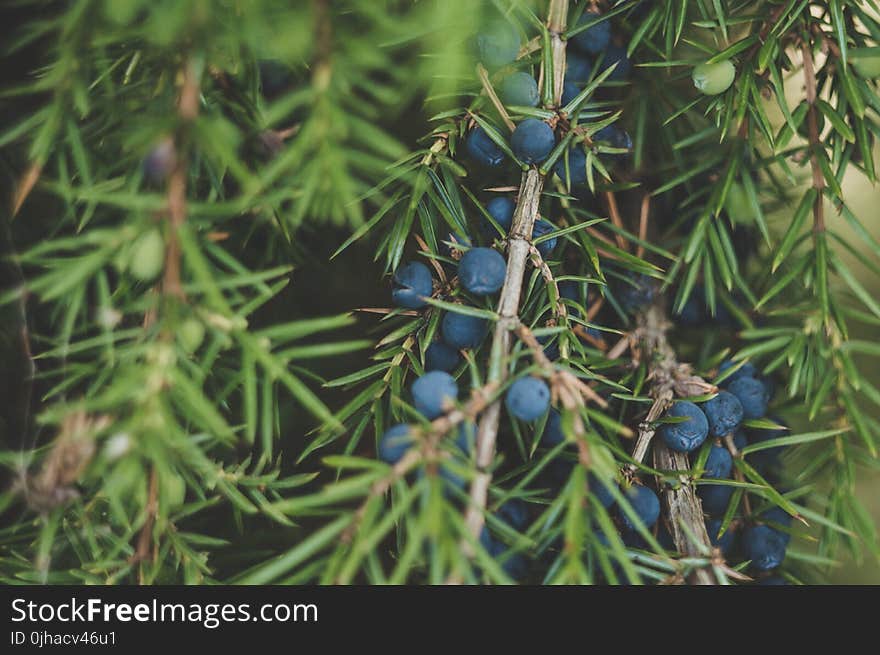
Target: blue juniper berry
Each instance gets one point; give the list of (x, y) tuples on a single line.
[(433, 392), (412, 284), (686, 435), (528, 398)]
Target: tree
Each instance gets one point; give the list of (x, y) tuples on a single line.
[(590, 407)]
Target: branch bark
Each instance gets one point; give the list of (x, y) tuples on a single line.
[(508, 308), (669, 378), (187, 110)]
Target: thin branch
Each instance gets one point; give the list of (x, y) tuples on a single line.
[(438, 269), (597, 342), (564, 383), (187, 110), (524, 217), (508, 309), (556, 20), (594, 309), (142, 554), (646, 429), (685, 509), (171, 285)]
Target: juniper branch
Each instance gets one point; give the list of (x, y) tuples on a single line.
[(187, 111), (508, 308), (524, 217)]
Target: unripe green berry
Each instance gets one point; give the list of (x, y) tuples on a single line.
[(191, 333), (173, 490), (147, 256), (737, 204), (712, 79)]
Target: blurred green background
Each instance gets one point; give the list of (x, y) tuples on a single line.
[(864, 199)]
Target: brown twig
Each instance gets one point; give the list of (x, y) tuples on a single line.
[(670, 378), (595, 308), (438, 269), (562, 381), (187, 109), (622, 345), (582, 333)]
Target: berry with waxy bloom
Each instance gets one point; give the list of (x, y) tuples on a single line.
[(481, 271), (433, 393), (712, 79), (528, 398), (412, 285), (532, 141)]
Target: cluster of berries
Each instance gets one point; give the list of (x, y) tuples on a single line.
[(744, 396), (642, 499), (481, 272), (593, 49), (533, 140)]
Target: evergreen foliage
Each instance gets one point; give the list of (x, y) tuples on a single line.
[(676, 245)]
